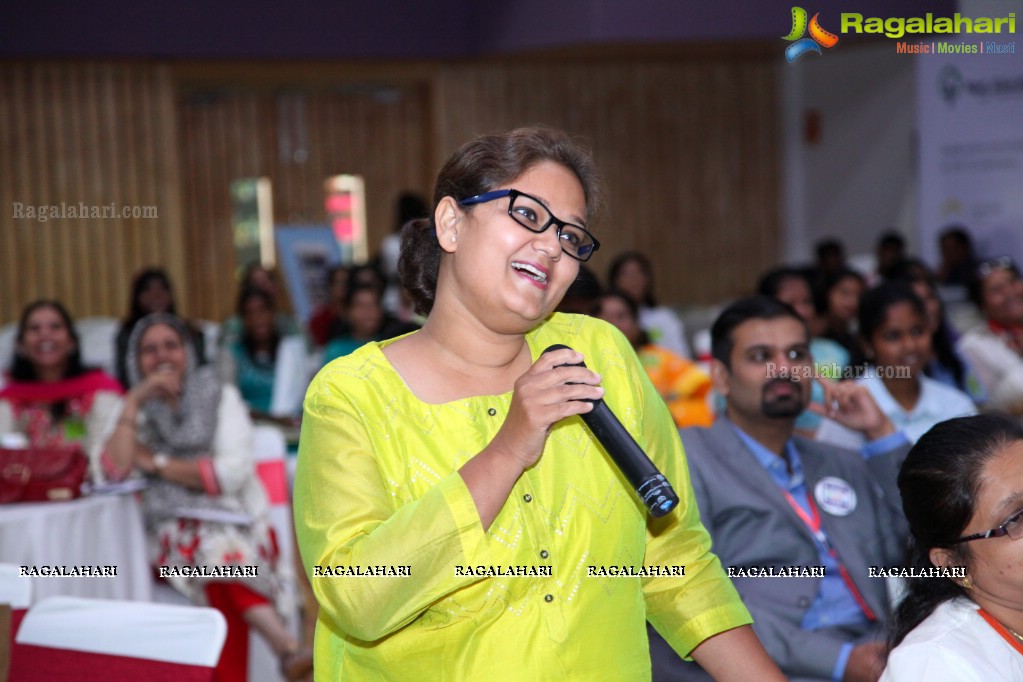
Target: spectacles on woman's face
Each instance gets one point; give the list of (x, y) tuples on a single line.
[(530, 213), (993, 264), (1013, 527)]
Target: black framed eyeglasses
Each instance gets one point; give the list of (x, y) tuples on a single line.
[(1013, 527), (530, 213)]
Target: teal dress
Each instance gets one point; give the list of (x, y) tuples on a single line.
[(254, 378)]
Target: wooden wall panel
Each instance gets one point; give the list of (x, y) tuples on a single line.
[(688, 150), (297, 138), (91, 134), (687, 144)]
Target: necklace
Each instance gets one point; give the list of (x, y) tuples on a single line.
[(1015, 634)]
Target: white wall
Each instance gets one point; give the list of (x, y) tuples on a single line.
[(860, 178)]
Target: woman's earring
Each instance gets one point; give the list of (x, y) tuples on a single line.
[(454, 238), (967, 583)]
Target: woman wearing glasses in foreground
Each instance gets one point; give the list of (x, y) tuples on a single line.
[(456, 452), (962, 492)]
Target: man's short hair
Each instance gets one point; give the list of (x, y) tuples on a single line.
[(751, 308)]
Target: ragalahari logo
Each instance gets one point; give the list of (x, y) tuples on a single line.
[(818, 36)]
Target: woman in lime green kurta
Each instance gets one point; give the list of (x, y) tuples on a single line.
[(457, 451)]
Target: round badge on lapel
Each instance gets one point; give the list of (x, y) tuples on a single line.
[(835, 496)]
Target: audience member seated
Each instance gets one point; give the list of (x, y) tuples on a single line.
[(258, 277), (50, 400), (268, 369), (772, 501), (889, 252), (792, 286), (893, 326), (958, 259), (946, 365), (632, 273), (683, 385), (151, 292), (831, 259), (838, 303), (191, 437), (960, 489), (365, 321), (332, 311), (582, 296), (995, 348)]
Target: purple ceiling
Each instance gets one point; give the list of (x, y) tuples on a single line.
[(262, 29)]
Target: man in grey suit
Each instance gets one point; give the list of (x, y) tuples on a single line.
[(780, 505)]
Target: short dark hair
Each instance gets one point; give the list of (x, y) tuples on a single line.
[(477, 167), (828, 247), (957, 233), (939, 483), (722, 341), (891, 238)]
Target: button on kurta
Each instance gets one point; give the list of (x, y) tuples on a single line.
[(544, 554), (527, 497), (548, 598), (491, 412)]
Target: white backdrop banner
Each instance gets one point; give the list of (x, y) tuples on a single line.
[(970, 109)]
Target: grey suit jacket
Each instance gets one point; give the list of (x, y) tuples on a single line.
[(752, 524)]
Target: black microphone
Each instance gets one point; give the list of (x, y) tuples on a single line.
[(650, 484)]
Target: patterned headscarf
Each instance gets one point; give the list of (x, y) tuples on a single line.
[(187, 430)]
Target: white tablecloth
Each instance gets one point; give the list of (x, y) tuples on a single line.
[(102, 530)]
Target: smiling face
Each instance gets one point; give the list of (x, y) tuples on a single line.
[(1002, 293), (902, 340), (46, 342), (500, 272), (161, 349)]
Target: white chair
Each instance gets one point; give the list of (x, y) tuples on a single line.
[(97, 336), (189, 635)]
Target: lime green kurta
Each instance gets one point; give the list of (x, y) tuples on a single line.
[(377, 486)]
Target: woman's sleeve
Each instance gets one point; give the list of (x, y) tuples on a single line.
[(100, 423), (347, 517), (230, 466), (999, 368), (687, 609)]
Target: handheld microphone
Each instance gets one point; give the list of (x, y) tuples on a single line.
[(652, 487)]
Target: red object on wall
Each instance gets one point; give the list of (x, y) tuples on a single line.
[(812, 126)]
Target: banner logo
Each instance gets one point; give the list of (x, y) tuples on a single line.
[(819, 37)]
